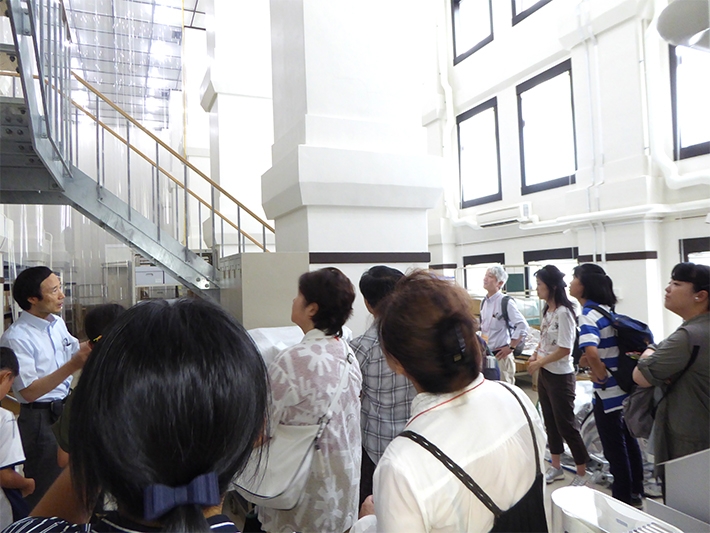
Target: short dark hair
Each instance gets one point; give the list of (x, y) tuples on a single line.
[(428, 326), (698, 275), (378, 282), (334, 294), (598, 287), (8, 361), (553, 278), (27, 285), (99, 318), (173, 391)]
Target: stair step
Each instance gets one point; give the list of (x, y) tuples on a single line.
[(8, 57), (15, 135)]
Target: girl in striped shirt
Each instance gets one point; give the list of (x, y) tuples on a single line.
[(593, 288)]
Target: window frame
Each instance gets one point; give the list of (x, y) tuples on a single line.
[(488, 104), (549, 254), (679, 152), (692, 246), (458, 57), (565, 66), (518, 17), (495, 258)]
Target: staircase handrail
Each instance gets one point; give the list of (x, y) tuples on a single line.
[(169, 149), (166, 173)]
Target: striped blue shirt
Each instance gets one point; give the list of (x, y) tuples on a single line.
[(112, 523), (596, 330)]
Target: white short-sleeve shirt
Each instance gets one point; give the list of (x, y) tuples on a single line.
[(558, 329)]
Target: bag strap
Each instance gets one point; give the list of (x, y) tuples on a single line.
[(606, 314), (603, 312), (459, 472), (691, 361), (323, 421), (455, 469), (504, 311), (530, 425)]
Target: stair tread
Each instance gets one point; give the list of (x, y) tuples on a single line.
[(8, 48)]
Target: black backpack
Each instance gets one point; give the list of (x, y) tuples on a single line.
[(632, 338), (504, 313)]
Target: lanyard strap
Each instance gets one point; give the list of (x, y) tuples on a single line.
[(460, 473)]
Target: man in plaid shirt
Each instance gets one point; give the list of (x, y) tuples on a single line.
[(386, 397)]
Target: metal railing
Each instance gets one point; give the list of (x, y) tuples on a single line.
[(179, 191), (131, 161)]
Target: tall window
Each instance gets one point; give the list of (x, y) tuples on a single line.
[(475, 267), (479, 155), (696, 250), (473, 26), (525, 8), (690, 78), (548, 154)]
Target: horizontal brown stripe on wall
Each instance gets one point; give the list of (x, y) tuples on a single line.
[(324, 258), (442, 266), (620, 256)]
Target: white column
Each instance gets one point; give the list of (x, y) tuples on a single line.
[(350, 173)]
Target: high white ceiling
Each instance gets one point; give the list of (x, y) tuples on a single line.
[(131, 51)]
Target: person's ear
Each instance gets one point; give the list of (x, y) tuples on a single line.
[(311, 310), (701, 296)]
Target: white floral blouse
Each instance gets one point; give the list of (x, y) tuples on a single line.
[(558, 328), (303, 381)]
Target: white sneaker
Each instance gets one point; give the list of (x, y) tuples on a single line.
[(553, 474), (580, 481)]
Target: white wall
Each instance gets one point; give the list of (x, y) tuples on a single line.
[(621, 102)]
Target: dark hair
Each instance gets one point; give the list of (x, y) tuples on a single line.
[(173, 391), (378, 282), (428, 326), (99, 318), (553, 278), (598, 287), (27, 285), (698, 275), (8, 361), (334, 294)]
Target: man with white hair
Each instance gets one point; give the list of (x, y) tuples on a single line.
[(502, 336)]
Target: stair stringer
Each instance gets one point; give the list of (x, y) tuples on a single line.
[(112, 214)]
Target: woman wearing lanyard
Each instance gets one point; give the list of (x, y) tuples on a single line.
[(488, 430)]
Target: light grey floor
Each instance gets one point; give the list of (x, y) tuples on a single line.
[(524, 381)]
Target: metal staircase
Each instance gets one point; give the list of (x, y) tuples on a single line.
[(55, 151)]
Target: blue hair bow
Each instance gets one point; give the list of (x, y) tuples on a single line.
[(159, 499)]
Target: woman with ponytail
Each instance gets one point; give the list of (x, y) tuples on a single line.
[(169, 408), (597, 339), (486, 433)]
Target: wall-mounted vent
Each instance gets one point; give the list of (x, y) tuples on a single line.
[(513, 214)]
